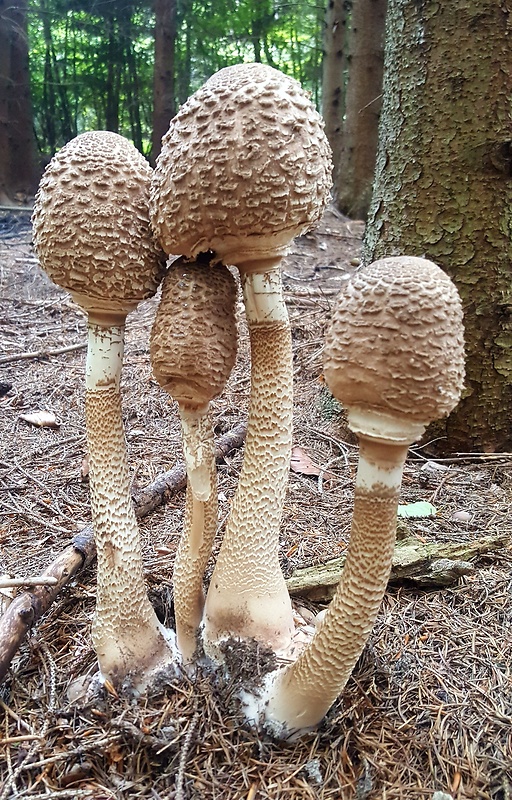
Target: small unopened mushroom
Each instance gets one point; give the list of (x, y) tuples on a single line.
[(244, 168), (193, 350), (394, 357), (92, 236)]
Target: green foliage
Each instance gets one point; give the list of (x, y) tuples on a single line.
[(91, 61)]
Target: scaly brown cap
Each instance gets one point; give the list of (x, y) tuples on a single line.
[(91, 224), (194, 337), (395, 344), (244, 167)]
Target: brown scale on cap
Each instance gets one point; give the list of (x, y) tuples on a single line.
[(393, 338), (91, 224), (194, 338), (244, 168), (193, 350), (394, 356)]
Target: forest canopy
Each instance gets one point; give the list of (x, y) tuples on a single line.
[(92, 61)]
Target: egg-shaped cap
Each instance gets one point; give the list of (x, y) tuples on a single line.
[(91, 224), (194, 336), (245, 166), (395, 344)]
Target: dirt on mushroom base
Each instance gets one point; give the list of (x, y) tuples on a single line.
[(435, 678)]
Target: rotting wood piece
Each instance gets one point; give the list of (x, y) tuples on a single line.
[(423, 563), (28, 607)]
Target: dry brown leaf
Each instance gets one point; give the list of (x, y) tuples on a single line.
[(302, 463), (41, 419)]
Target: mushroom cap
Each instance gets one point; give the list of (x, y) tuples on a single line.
[(395, 345), (244, 168), (194, 336), (91, 223)]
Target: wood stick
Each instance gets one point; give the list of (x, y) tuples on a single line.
[(43, 353), (28, 607), (422, 563), (7, 582)]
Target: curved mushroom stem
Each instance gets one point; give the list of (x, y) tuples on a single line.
[(247, 596), (128, 638), (302, 693), (199, 527)]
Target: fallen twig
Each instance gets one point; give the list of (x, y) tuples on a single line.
[(42, 580), (26, 609), (42, 353)]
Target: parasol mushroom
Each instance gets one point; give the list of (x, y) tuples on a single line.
[(394, 357), (193, 350), (93, 238), (244, 168)]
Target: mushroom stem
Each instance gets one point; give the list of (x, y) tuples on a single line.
[(127, 636), (196, 427), (302, 693), (199, 527), (247, 596)]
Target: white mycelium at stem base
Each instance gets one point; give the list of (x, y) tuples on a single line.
[(244, 168), (394, 357), (92, 236), (193, 350)]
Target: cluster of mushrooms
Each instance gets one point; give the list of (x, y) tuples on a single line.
[(244, 168)]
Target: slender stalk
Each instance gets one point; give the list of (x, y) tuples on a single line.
[(128, 638), (247, 596), (303, 692), (199, 527)]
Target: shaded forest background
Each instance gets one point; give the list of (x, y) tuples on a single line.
[(126, 66)]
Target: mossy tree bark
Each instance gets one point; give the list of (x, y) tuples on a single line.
[(359, 139), (443, 186)]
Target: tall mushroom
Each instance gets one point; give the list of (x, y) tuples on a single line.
[(394, 357), (92, 236), (193, 350), (244, 168)]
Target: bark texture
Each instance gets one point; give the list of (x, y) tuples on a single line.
[(443, 186), (17, 148), (334, 72), (356, 165), (164, 106)]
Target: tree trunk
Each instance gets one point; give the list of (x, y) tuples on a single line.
[(164, 106), (5, 72), (17, 146), (23, 174), (443, 186), (356, 166), (334, 73)]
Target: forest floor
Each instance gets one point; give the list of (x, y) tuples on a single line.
[(429, 706)]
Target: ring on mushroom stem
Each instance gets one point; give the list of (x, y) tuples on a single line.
[(244, 168), (93, 238), (193, 350), (394, 357)]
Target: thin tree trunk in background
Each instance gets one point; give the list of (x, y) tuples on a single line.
[(443, 187), (164, 104), (334, 70), (18, 172), (356, 165), (5, 72), (113, 68)]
